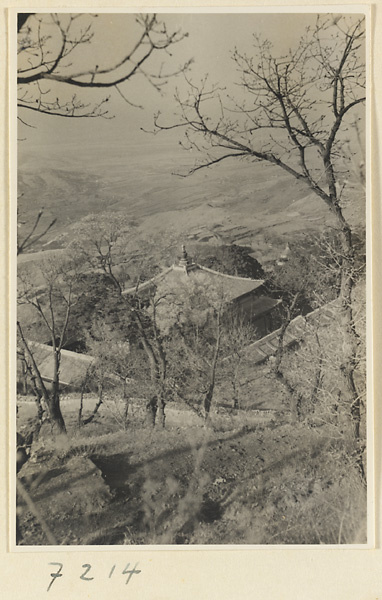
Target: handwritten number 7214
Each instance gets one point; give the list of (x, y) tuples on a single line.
[(87, 567)]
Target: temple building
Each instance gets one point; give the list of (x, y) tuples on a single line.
[(245, 296)]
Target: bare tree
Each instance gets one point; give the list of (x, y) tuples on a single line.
[(53, 303), (111, 371), (49, 82), (112, 245), (238, 335), (292, 113), (49, 47), (194, 316)]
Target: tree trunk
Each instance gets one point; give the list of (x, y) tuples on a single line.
[(79, 420), (295, 400), (158, 364), (351, 337), (162, 367), (126, 405), (55, 415), (52, 401), (208, 401), (318, 377), (54, 409), (40, 410), (24, 376), (158, 367), (147, 346), (37, 394), (235, 389), (151, 410), (162, 416), (96, 408), (235, 399), (210, 392)]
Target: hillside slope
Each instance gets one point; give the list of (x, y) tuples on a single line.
[(238, 200)]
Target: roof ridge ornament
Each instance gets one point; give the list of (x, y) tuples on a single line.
[(185, 261)]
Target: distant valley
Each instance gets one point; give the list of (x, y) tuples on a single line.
[(249, 203)]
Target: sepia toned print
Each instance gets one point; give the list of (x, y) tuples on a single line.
[(191, 249)]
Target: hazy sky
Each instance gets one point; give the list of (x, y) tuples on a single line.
[(211, 39)]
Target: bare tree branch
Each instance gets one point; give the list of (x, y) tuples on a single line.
[(31, 238), (48, 42)]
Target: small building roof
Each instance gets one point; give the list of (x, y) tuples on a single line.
[(73, 366), (267, 346)]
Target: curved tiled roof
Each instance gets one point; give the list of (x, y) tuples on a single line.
[(232, 287), (266, 347)]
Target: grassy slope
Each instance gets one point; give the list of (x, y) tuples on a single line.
[(250, 484)]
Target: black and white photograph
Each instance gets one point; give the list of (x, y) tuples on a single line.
[(192, 233)]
